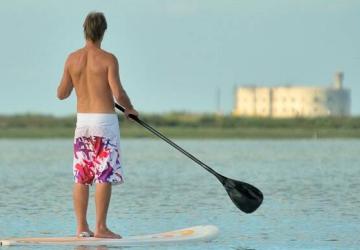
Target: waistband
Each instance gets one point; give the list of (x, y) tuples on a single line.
[(96, 119)]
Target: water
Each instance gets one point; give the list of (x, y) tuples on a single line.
[(311, 190)]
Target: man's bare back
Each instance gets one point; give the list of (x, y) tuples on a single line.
[(94, 73), (88, 68)]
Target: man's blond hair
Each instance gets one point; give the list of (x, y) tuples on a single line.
[(94, 26)]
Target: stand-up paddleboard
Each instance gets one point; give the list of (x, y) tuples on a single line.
[(197, 233)]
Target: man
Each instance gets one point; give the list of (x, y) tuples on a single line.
[(94, 73)]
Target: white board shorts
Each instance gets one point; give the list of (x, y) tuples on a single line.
[(97, 157)]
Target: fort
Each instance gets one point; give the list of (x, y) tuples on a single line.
[(293, 101)]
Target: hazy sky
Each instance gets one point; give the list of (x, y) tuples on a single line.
[(174, 55)]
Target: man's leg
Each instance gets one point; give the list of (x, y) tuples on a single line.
[(102, 201), (81, 198)]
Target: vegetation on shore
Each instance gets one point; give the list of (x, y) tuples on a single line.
[(184, 125)]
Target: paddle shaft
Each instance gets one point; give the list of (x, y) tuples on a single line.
[(163, 137), (245, 196)]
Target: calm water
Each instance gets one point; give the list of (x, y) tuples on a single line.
[(311, 190)]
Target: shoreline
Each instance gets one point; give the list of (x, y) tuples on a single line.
[(192, 133), (185, 125)]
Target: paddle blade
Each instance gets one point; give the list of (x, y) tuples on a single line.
[(245, 196)]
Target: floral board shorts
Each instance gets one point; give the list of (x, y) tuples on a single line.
[(97, 156)]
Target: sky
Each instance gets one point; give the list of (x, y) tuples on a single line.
[(176, 55)]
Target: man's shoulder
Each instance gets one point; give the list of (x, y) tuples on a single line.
[(109, 55), (74, 54), (110, 58)]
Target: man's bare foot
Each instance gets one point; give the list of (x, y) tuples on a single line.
[(85, 234), (84, 231), (106, 233)]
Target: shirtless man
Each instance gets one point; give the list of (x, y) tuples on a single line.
[(94, 73)]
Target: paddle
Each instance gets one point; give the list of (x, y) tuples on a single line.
[(245, 196)]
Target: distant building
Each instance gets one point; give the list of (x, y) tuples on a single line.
[(293, 101)]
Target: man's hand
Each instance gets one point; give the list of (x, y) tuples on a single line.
[(131, 111)]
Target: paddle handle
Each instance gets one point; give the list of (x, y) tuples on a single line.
[(163, 137)]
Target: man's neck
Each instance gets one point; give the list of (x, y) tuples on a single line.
[(91, 44)]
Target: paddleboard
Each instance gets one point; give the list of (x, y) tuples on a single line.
[(196, 233)]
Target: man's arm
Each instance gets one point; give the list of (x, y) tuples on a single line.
[(117, 90), (66, 84)]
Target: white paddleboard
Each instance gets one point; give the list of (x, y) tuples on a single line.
[(197, 233)]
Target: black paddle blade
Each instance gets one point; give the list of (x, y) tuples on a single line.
[(245, 196)]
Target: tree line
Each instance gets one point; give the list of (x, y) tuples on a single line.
[(187, 120)]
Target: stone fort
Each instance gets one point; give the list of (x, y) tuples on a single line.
[(293, 101)]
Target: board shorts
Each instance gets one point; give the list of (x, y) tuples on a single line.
[(97, 157)]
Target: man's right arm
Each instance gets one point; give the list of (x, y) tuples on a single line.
[(66, 84), (117, 90)]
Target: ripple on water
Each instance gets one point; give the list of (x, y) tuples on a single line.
[(310, 187)]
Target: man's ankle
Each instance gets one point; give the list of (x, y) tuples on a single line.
[(101, 227), (83, 225)]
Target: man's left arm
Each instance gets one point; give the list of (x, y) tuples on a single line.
[(66, 84)]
